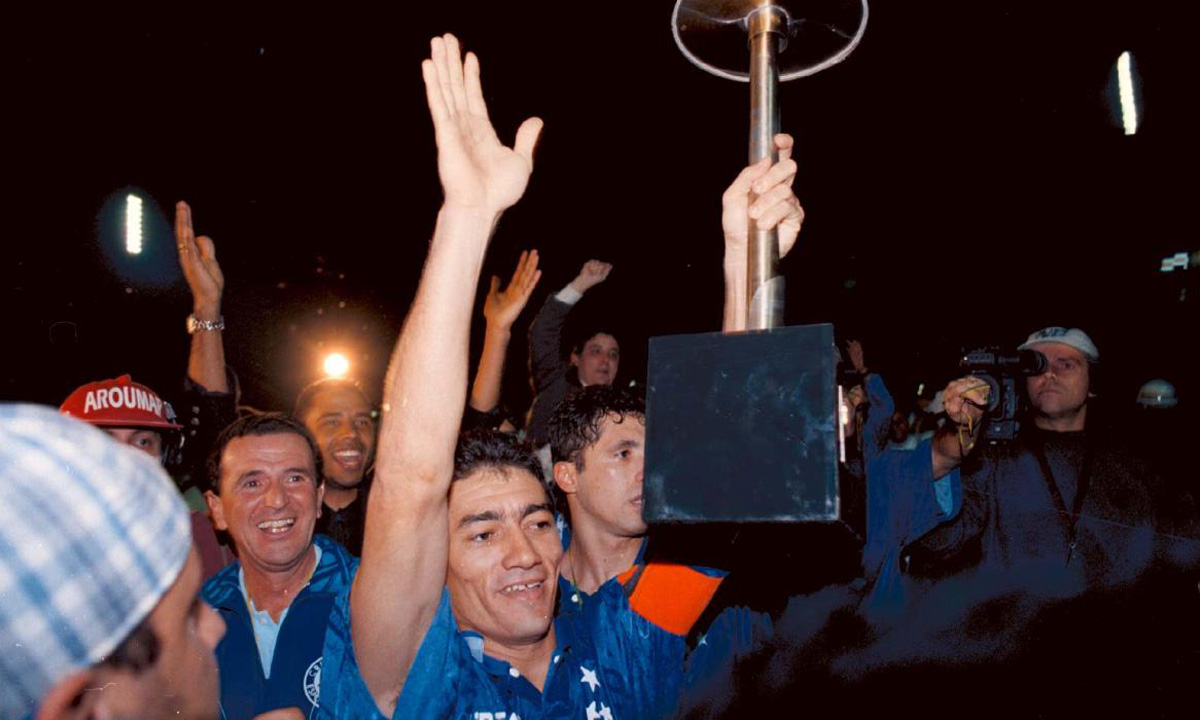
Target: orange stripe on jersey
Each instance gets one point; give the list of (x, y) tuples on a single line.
[(671, 596)]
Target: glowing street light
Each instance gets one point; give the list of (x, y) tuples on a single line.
[(1125, 90), (336, 365), (133, 225)]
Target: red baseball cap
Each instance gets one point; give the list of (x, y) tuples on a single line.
[(120, 403)]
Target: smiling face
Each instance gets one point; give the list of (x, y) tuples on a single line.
[(598, 361), (269, 502), (605, 488), (1059, 395), (340, 420), (504, 555)]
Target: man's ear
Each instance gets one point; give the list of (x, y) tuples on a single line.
[(216, 510), (74, 697), (320, 498), (575, 359), (566, 476)]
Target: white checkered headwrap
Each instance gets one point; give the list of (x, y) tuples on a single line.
[(92, 534)]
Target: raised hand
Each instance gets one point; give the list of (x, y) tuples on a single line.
[(775, 204), (591, 274), (198, 260), (502, 308), (477, 171)]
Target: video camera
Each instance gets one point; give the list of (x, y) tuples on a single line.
[(1000, 371)]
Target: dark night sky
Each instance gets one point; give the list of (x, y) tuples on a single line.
[(964, 178)]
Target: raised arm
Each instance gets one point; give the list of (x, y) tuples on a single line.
[(775, 205), (545, 334), (198, 259), (403, 570), (501, 310)]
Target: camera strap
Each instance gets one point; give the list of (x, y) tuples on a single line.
[(1069, 520)]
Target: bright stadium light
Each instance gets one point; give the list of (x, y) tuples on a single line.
[(1129, 114), (133, 225), (336, 365)]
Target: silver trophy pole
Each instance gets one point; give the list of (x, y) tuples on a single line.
[(712, 35), (764, 288)]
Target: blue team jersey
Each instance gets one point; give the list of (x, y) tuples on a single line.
[(295, 678), (610, 663)]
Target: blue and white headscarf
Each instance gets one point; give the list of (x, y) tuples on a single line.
[(92, 534)]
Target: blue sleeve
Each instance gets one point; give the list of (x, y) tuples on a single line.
[(880, 407), (434, 678), (430, 685), (735, 633), (904, 502)]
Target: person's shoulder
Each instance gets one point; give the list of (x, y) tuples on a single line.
[(670, 596), (337, 567), (223, 589)]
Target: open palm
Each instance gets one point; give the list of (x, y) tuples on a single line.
[(477, 171)]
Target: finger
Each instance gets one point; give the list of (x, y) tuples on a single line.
[(455, 68), (525, 268), (527, 288), (529, 278), (781, 173), (183, 225), (208, 250), (773, 197), (772, 208), (433, 92), (527, 137), (776, 215), (741, 184), (475, 102), (438, 53), (783, 145)]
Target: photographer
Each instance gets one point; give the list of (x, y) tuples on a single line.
[(1064, 508)]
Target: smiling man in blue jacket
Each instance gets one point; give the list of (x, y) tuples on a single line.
[(266, 490)]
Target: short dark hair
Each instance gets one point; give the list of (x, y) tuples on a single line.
[(256, 425), (304, 400), (581, 339), (479, 449), (575, 423)]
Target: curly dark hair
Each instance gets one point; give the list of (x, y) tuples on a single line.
[(575, 423), (493, 449), (259, 424)]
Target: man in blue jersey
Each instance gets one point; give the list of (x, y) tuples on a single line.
[(266, 490), (452, 609)]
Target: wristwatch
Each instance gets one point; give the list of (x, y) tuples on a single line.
[(195, 324)]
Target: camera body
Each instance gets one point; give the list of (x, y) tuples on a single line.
[(1000, 370)]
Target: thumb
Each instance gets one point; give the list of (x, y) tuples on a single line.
[(208, 251), (495, 286), (527, 137)]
